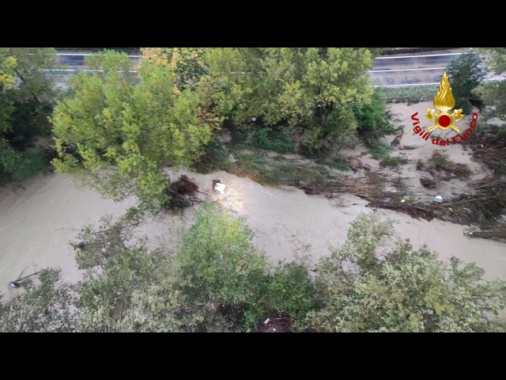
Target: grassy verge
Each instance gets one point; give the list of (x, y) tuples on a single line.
[(277, 170), (409, 94), (381, 151), (249, 157)]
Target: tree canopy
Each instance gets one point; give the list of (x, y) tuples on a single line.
[(26, 100), (466, 73), (125, 129), (309, 90)]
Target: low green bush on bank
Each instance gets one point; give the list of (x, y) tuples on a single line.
[(217, 280)]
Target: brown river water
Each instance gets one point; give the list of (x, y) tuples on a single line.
[(38, 221)]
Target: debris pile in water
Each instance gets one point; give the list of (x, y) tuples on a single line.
[(181, 193)]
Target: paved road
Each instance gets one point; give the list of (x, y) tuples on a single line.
[(387, 71), (409, 70)]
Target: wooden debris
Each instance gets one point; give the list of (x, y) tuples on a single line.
[(181, 193)]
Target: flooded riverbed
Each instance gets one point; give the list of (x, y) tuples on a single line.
[(37, 222)]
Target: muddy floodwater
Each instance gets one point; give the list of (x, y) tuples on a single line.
[(37, 222), (39, 219)]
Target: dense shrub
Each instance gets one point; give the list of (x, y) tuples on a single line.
[(465, 74)]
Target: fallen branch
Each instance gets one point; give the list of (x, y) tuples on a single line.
[(16, 284), (491, 234)]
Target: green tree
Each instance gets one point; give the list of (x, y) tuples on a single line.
[(186, 65), (490, 139), (308, 89), (26, 101), (220, 265), (124, 130), (289, 84), (494, 93), (371, 284), (465, 74), (496, 59), (373, 119)]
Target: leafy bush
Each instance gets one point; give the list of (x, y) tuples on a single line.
[(32, 162), (372, 283), (128, 288), (465, 74), (291, 290), (379, 149), (374, 121), (409, 95), (327, 131), (43, 306), (15, 165), (218, 262), (218, 281), (277, 139)]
